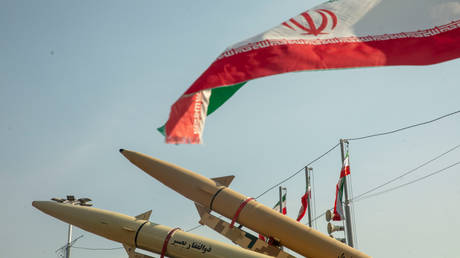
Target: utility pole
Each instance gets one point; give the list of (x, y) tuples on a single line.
[(308, 185), (347, 201), (69, 240)]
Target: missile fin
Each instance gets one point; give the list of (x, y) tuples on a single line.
[(145, 215), (238, 236), (139, 255), (224, 180), (220, 181), (202, 211), (130, 250)]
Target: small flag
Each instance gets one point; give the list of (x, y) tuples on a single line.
[(338, 207), (346, 167), (303, 208), (277, 205)]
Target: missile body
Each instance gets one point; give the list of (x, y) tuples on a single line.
[(239, 208), (140, 233)]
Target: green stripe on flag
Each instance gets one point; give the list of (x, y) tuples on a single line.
[(220, 95), (162, 130), (283, 198)]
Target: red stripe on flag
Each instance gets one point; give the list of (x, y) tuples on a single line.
[(297, 57), (303, 208)]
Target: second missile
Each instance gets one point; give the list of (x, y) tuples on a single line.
[(216, 196), (138, 232)]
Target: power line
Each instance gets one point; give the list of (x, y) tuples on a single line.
[(322, 214), (404, 128), (359, 197), (411, 182), (406, 173), (300, 170), (354, 139), (288, 178), (193, 228), (335, 146)]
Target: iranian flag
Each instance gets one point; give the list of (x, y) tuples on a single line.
[(303, 208), (338, 207), (277, 205), (335, 34)]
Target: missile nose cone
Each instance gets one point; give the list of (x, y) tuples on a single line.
[(39, 204), (126, 153), (36, 204), (187, 183), (45, 206)]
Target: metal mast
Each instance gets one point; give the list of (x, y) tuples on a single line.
[(348, 224), (308, 184)]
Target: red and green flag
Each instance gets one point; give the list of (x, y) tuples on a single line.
[(277, 205), (304, 205), (338, 204), (335, 34)]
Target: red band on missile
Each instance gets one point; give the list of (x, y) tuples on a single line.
[(239, 210), (165, 243)]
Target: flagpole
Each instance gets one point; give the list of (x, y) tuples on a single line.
[(281, 199), (307, 179), (348, 225), (281, 204)]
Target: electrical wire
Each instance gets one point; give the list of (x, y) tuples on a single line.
[(409, 183), (355, 139), (404, 128), (406, 173), (288, 178), (191, 229), (322, 214), (198, 226), (300, 170), (359, 197), (335, 146)]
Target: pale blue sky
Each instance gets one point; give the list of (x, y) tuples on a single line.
[(81, 79)]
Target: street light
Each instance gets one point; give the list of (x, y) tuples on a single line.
[(70, 199)]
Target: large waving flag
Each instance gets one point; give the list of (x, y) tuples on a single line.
[(336, 34)]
